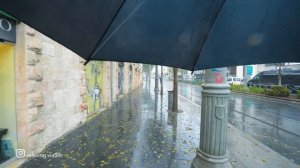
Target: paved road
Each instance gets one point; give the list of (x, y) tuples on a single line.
[(274, 123)]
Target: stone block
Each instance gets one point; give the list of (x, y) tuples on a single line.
[(36, 127), (74, 74), (34, 44), (21, 100), (31, 58), (35, 144), (35, 99), (58, 95), (30, 31), (31, 86), (39, 85), (32, 114), (34, 73), (82, 90), (46, 111), (48, 49), (60, 74), (81, 60)]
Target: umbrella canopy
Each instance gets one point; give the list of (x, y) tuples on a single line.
[(78, 25), (190, 34), (253, 32)]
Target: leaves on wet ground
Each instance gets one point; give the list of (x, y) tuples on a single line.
[(126, 136)]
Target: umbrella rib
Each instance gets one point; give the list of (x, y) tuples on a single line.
[(205, 38), (117, 28), (95, 49), (264, 19)]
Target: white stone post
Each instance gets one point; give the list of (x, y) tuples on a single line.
[(212, 152), (156, 79)]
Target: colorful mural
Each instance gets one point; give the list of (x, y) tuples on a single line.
[(94, 72)]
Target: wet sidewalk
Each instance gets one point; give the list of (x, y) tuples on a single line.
[(139, 132)]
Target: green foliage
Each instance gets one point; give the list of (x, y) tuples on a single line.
[(298, 94), (257, 90), (278, 91), (274, 91), (239, 88)]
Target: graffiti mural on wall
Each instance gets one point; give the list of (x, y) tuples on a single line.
[(218, 75), (94, 74)]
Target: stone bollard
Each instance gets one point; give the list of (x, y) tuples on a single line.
[(212, 151)]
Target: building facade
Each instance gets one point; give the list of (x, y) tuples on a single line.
[(46, 91), (252, 70)]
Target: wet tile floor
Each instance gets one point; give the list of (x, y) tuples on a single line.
[(136, 132)]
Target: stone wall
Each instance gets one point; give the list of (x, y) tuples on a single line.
[(49, 89)]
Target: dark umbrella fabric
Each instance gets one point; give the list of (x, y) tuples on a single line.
[(253, 32), (168, 32), (77, 24), (190, 34)]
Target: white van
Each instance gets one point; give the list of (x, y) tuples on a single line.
[(234, 81)]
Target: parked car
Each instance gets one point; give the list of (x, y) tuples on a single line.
[(234, 81), (267, 79)]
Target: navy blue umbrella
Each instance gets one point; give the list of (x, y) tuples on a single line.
[(77, 24), (189, 34)]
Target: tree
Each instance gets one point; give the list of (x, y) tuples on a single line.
[(147, 69), (156, 79), (280, 73), (175, 91)]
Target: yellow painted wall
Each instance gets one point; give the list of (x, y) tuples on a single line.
[(7, 93)]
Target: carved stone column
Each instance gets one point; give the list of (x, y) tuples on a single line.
[(212, 152)]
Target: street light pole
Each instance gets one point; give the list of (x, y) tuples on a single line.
[(175, 91), (156, 79), (245, 80), (212, 151), (161, 80)]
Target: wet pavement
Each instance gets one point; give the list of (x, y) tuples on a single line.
[(136, 132), (139, 132), (274, 123)]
